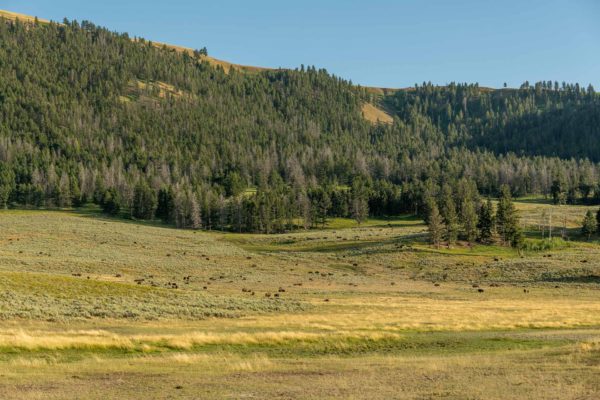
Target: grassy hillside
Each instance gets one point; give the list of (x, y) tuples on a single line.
[(180, 49), (118, 309), (21, 17)]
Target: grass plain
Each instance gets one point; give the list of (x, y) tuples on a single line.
[(93, 307)]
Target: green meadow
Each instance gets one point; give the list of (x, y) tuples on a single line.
[(93, 307)]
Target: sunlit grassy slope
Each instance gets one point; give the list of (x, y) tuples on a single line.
[(226, 65), (118, 309), (376, 114), (21, 17)]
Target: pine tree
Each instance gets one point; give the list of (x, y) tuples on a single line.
[(507, 220), (516, 236), (502, 210), (207, 208), (305, 210), (111, 202), (7, 179), (469, 220), (234, 185), (590, 225), (360, 209), (237, 214), (165, 206), (324, 206), (78, 198), (450, 216), (360, 201), (187, 213), (223, 215), (144, 201), (64, 191), (485, 225), (264, 211), (559, 194), (195, 220), (435, 224), (321, 203)]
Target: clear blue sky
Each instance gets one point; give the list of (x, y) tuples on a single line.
[(376, 42)]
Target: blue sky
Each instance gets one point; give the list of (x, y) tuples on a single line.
[(376, 42)]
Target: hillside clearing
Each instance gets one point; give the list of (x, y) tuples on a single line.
[(376, 115)]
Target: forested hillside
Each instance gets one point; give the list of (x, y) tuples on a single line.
[(548, 118), (87, 115)]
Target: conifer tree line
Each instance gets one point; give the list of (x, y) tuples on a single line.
[(591, 224), (474, 220), (92, 116)]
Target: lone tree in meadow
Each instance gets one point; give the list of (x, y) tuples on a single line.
[(435, 224), (590, 225)]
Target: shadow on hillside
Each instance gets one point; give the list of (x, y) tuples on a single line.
[(401, 221), (364, 245), (573, 279), (541, 132), (387, 225), (95, 212)]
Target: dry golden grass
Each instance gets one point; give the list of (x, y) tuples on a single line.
[(535, 213), (376, 115), (226, 65), (21, 17), (336, 325), (34, 340), (533, 374), (164, 89)]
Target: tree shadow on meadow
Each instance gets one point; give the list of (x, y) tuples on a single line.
[(94, 212), (594, 279)]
